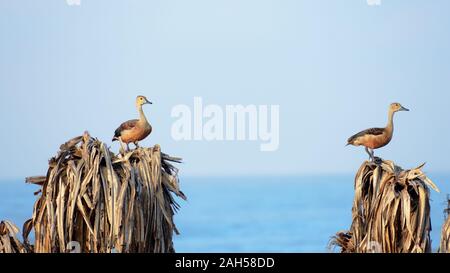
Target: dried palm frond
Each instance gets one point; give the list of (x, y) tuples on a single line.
[(8, 240), (391, 211), (97, 202), (445, 233)]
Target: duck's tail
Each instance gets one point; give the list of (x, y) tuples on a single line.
[(115, 139)]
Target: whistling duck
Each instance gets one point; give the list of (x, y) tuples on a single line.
[(375, 138), (134, 130)]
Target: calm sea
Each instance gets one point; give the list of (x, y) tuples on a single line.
[(251, 214)]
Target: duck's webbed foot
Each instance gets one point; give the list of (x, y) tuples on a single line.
[(136, 144), (377, 160)]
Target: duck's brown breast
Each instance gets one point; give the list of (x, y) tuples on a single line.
[(375, 142), (138, 133)]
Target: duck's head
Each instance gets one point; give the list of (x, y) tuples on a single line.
[(396, 107), (141, 100)]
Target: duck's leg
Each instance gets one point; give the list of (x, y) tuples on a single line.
[(136, 144), (369, 153), (376, 159), (128, 147)]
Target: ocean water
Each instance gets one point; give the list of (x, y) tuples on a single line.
[(251, 214)]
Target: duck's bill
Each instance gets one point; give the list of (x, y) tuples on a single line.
[(149, 102), (404, 109)]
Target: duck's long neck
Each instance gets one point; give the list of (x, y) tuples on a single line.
[(142, 117), (390, 125)]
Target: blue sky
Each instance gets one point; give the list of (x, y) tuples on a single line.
[(332, 66)]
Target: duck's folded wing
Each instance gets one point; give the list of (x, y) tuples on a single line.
[(127, 125), (371, 131)]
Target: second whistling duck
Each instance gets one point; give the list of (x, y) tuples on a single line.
[(375, 138)]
